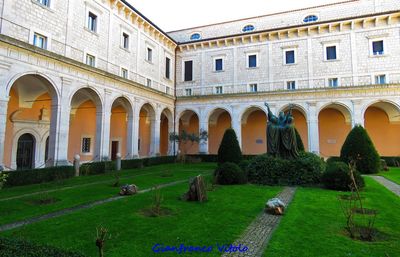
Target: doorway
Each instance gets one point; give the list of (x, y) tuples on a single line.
[(114, 150), (25, 152)]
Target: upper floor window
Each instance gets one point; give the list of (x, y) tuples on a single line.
[(378, 47), (149, 54), (252, 61), (188, 72), (195, 36), (167, 68), (219, 90), (291, 85), (310, 18), (331, 53), (92, 22), (40, 41), (380, 79), (248, 28), (290, 57), (188, 91), (44, 2), (124, 73), (90, 60), (219, 64), (148, 82), (333, 82), (253, 87), (125, 41)]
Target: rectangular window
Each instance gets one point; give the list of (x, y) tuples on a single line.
[(167, 67), (92, 22), (149, 56), (44, 2), (86, 144), (252, 62), (380, 79), (377, 47), (331, 53), (219, 90), (291, 85), (188, 71), (219, 65), (253, 88), (125, 41), (124, 73), (188, 92), (90, 60), (40, 41), (290, 57), (148, 82), (333, 82)]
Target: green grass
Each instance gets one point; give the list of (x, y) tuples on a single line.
[(85, 192), (313, 225), (222, 219), (393, 174)]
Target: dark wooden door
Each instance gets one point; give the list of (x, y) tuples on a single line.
[(114, 150), (25, 152)]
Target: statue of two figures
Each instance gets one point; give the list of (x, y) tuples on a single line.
[(281, 135)]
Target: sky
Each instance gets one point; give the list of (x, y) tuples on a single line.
[(172, 15)]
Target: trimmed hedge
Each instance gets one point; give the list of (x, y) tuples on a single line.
[(36, 176), (230, 173), (95, 168), (392, 161), (229, 149), (333, 159), (307, 169), (140, 163), (337, 177), (14, 247), (214, 157)]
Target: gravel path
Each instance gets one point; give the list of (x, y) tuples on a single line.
[(395, 188)]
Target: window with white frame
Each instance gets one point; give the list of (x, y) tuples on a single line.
[(149, 54), (330, 52), (380, 79), (39, 40), (44, 2), (188, 91), (148, 82), (290, 56), (125, 41), (90, 60), (333, 82), (92, 22), (218, 64), (291, 85), (219, 90), (377, 47), (86, 145), (253, 87), (124, 73), (252, 61)]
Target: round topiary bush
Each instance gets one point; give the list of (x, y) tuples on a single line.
[(307, 169), (229, 149), (358, 147), (337, 177), (230, 174)]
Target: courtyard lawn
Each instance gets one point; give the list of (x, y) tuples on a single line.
[(222, 219), (393, 174), (83, 190), (313, 225)]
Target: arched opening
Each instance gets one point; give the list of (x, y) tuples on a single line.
[(334, 123), (254, 127), (26, 152), (166, 127), (219, 121), (382, 121), (300, 122), (121, 110), (85, 126), (189, 122), (146, 130), (31, 98)]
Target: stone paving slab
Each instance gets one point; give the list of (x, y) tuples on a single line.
[(390, 185), (259, 232), (77, 208)]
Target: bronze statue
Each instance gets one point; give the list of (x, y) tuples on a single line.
[(281, 135)]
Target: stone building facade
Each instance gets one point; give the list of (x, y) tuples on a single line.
[(96, 78)]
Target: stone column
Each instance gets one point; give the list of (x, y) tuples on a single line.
[(156, 124), (171, 145), (236, 121), (203, 145), (130, 138), (103, 128), (313, 129), (3, 123), (135, 133), (357, 118)]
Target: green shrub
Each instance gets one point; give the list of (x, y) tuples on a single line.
[(392, 161), (337, 177), (37, 176), (359, 148), (384, 166), (269, 170), (95, 168), (229, 174), (132, 164), (10, 247), (333, 159), (229, 149), (299, 141), (244, 164)]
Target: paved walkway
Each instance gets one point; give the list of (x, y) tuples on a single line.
[(77, 208), (395, 188), (258, 234)]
